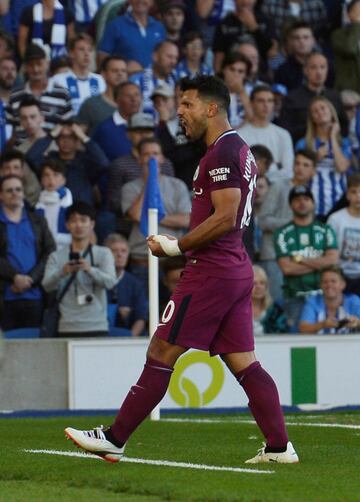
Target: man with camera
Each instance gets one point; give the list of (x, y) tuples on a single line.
[(331, 311), (84, 271)]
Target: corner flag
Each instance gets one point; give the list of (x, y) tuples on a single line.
[(152, 198)]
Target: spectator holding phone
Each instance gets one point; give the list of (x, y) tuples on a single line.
[(83, 309), (331, 311)]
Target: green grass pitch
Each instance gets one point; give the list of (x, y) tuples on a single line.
[(329, 468)]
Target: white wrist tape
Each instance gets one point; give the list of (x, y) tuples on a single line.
[(169, 246)]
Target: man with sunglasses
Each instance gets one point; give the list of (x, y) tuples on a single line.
[(25, 244)]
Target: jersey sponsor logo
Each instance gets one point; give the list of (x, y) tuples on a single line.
[(219, 173), (198, 191), (196, 173), (304, 239), (246, 217), (250, 161)]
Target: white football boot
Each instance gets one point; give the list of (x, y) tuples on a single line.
[(94, 441), (287, 457)]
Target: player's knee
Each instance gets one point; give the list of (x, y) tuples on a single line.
[(160, 350)]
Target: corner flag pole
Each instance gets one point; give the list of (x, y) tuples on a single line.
[(153, 289), (151, 212)]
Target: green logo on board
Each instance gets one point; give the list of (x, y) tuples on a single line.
[(185, 392)]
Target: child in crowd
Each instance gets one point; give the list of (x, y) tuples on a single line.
[(263, 158), (54, 199), (192, 63)]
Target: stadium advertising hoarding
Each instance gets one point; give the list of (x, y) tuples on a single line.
[(317, 370)]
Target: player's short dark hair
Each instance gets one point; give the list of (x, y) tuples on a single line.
[(54, 164), (353, 180), (173, 263), (80, 207), (260, 88), (309, 154), (29, 100), (106, 61), (208, 88), (9, 155), (149, 141), (332, 268), (262, 152), (233, 57), (9, 177)]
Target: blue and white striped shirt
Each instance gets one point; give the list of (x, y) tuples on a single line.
[(85, 10), (327, 185)]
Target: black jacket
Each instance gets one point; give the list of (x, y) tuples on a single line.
[(44, 246)]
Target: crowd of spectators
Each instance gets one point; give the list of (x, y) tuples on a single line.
[(88, 94)]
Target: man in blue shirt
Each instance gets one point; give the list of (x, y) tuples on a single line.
[(110, 134), (25, 244), (133, 36), (331, 311)]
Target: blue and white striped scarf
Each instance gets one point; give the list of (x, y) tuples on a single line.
[(61, 199), (220, 10), (85, 10), (58, 32), (147, 83)]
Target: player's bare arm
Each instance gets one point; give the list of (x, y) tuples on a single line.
[(226, 204)]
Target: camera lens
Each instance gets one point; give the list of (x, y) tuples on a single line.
[(88, 298)]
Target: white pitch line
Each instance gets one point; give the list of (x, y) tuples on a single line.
[(237, 421), (165, 463)]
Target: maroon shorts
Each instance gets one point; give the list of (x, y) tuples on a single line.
[(209, 313)]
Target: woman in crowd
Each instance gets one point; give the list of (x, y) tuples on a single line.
[(333, 154), (268, 316)]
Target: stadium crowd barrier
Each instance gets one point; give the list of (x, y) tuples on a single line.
[(63, 374)]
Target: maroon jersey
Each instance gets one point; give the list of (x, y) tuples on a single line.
[(228, 163)]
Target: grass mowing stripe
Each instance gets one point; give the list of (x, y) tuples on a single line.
[(165, 463), (237, 421)]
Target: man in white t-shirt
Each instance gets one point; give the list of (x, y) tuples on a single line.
[(346, 223), (259, 130), (80, 81)]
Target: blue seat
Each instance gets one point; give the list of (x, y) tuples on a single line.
[(22, 333), (114, 331)]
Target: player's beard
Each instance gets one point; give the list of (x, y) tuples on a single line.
[(197, 128)]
